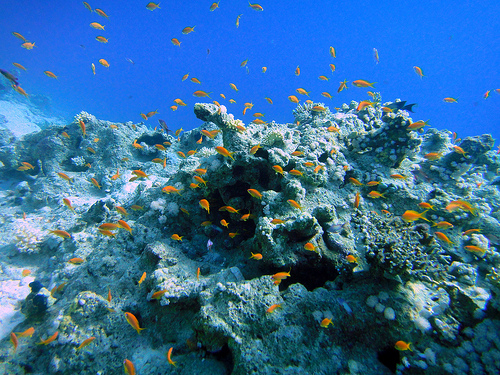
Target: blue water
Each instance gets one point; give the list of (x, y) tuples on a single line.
[(455, 43)]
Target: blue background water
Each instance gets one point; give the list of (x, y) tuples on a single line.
[(455, 43)]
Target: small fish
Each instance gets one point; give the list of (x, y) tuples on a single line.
[(264, 69), (293, 99), (418, 70), (450, 100), (176, 237), (257, 256), (273, 307), (375, 56), (85, 343), (171, 189), (310, 247), (205, 205), (101, 13), (188, 29), (277, 221), (410, 216), (169, 357), (238, 20), (475, 250), (128, 367), (28, 333), (354, 181), (132, 320), (326, 322), (121, 210), (209, 244), (159, 294), (302, 91), (26, 273), (255, 193), (343, 85), (294, 204), (279, 170), (333, 53), (14, 341), (443, 237), (19, 36), (297, 71), (175, 42), (17, 65), (104, 63), (60, 233), (281, 275), (201, 94), (28, 45), (469, 231), (124, 225), (76, 261), (403, 346), (198, 271), (214, 6), (356, 200), (101, 39), (49, 340), (375, 194), (255, 6), (362, 83), (221, 150), (152, 6), (233, 86), (143, 277)]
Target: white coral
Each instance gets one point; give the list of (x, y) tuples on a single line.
[(28, 235)]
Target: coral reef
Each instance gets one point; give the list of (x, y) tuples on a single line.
[(310, 247)]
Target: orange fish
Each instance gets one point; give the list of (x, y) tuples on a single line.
[(67, 203), (104, 63), (143, 277), (273, 307), (205, 205), (159, 294), (128, 367), (277, 221), (433, 156), (195, 80), (28, 333), (450, 100), (229, 209), (418, 71), (201, 94), (343, 85), (469, 231), (17, 65), (121, 210), (363, 104), (76, 261), (14, 341), (402, 346), (101, 13), (123, 224), (49, 340), (278, 169), (410, 216), (255, 6), (356, 200), (333, 53), (375, 194), (294, 204), (326, 322), (176, 237), (293, 99), (475, 250), (233, 86), (60, 233), (221, 150), (176, 42), (355, 181), (188, 29), (323, 78), (97, 26), (302, 91), (28, 45), (255, 193), (418, 125), (310, 247), (443, 237), (169, 357), (101, 39), (171, 189), (257, 256), (132, 320), (26, 273), (362, 83), (152, 6), (443, 225), (19, 36), (96, 184), (214, 6), (85, 343)]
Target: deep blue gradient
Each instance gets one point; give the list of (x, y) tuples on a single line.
[(455, 43)]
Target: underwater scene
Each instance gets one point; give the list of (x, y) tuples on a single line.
[(249, 188)]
